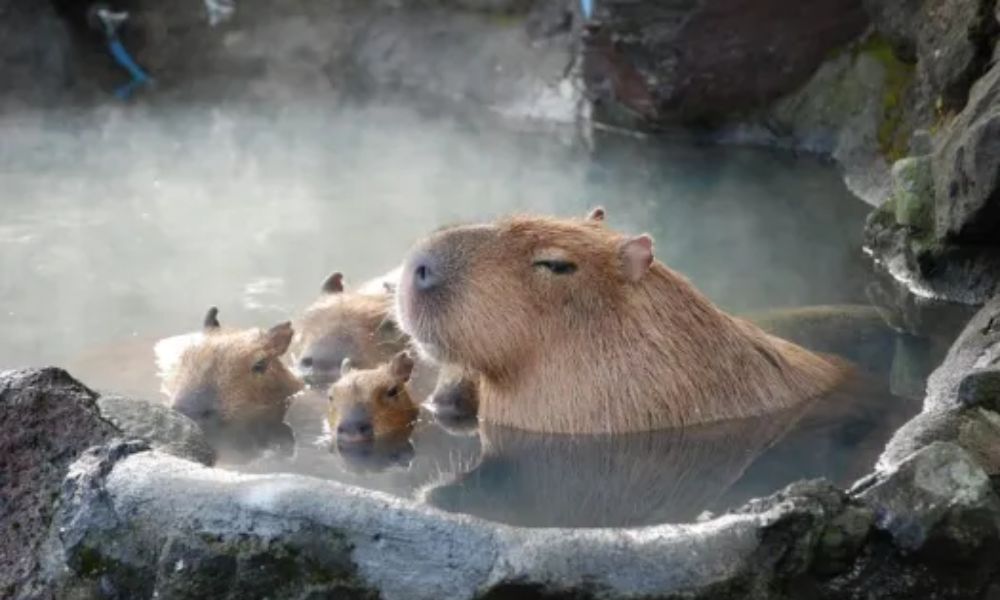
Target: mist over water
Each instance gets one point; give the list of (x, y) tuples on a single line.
[(128, 222), (122, 225)]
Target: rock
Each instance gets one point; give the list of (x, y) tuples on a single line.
[(912, 192), (163, 428), (42, 62), (952, 46), (938, 501), (976, 349), (693, 73), (896, 20), (967, 169), (965, 274), (981, 388), (47, 419), (975, 430)]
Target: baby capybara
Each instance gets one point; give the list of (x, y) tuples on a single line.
[(575, 328), (232, 378), (344, 324), (366, 404), (358, 325)]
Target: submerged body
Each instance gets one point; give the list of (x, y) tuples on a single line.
[(575, 328)]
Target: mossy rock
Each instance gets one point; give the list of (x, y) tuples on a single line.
[(913, 192)]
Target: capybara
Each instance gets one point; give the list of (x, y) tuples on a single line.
[(232, 378), (455, 397), (366, 404), (345, 324), (575, 328), (359, 325)]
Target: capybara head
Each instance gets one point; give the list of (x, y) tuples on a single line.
[(491, 296), (233, 377), (366, 404), (575, 328), (344, 324), (456, 395)]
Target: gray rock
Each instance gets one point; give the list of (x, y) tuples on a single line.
[(47, 419), (976, 349), (938, 499), (975, 430), (967, 169), (896, 20), (42, 62), (981, 388), (965, 274), (692, 73), (952, 46), (163, 428)]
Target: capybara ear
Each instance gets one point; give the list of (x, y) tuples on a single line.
[(278, 338), (596, 214), (334, 284), (637, 256), (211, 321), (401, 366), (346, 366)]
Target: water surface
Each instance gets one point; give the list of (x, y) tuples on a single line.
[(122, 225)]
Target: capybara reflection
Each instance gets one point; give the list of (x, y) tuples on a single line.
[(345, 324), (575, 328), (232, 378), (366, 404)]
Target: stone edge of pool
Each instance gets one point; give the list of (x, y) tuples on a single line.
[(122, 520)]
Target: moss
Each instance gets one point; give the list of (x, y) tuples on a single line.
[(893, 137)]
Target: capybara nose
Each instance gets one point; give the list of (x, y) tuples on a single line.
[(426, 273), (354, 430)]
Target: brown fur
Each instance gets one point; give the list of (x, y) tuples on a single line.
[(345, 324), (359, 325), (622, 344), (222, 364), (382, 392)]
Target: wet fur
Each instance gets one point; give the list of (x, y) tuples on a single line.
[(223, 359), (369, 387)]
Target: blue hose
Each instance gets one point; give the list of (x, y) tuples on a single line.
[(587, 7), (123, 58)]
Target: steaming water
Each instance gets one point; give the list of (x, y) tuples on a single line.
[(120, 226)]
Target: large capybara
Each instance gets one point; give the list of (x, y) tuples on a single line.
[(359, 325), (366, 404), (232, 379), (575, 328)]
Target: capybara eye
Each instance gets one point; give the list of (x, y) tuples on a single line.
[(393, 391), (260, 366), (559, 267)]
